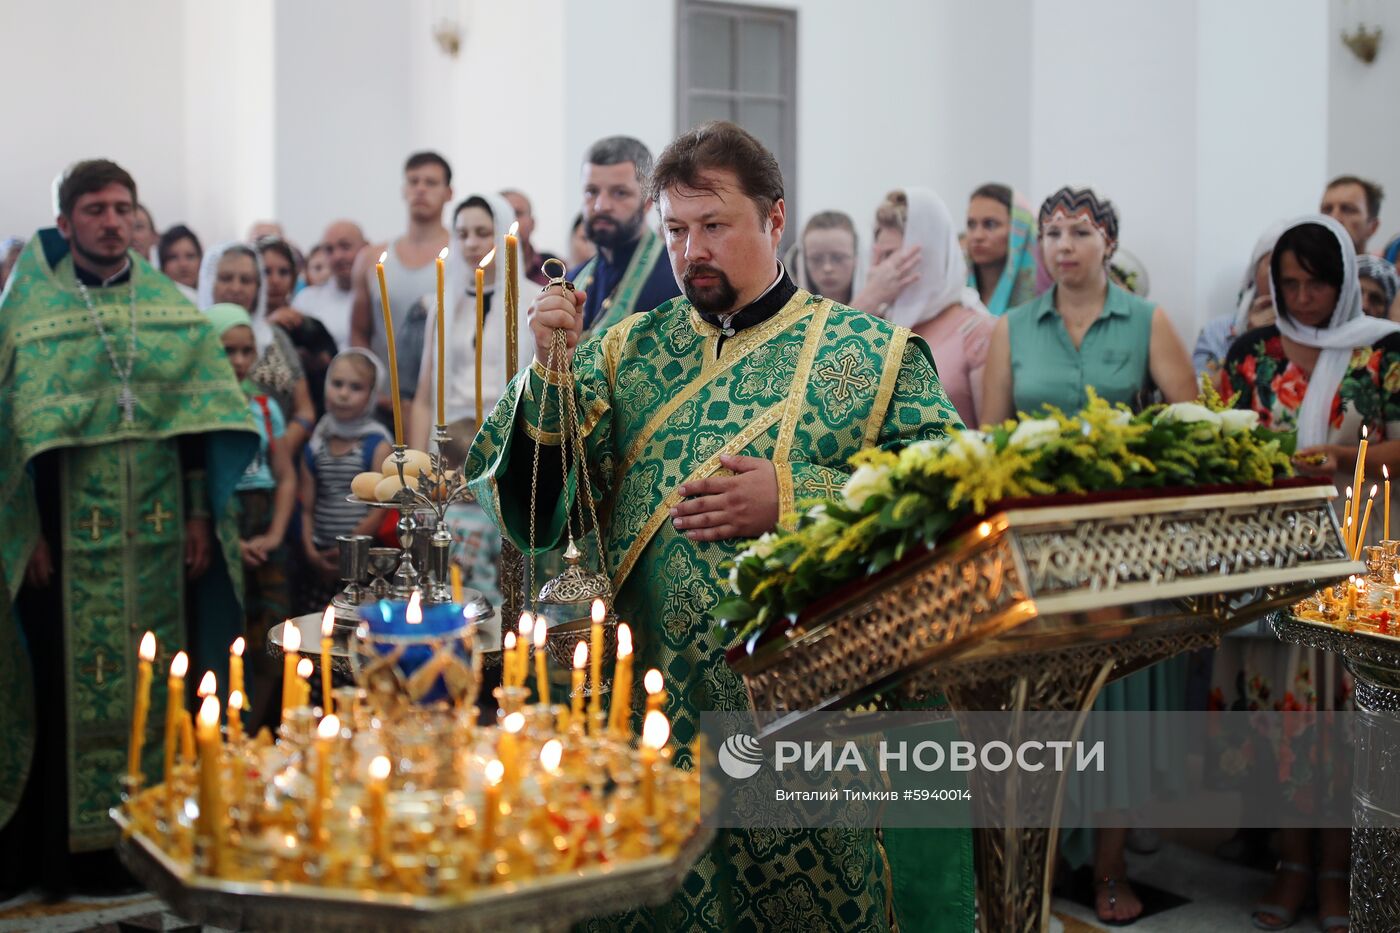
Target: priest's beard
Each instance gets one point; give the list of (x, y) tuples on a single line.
[(99, 262), (719, 298), (607, 233)]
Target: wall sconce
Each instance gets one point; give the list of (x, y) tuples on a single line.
[(1364, 44), (449, 37)]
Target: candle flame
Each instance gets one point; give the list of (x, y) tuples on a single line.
[(236, 649), (148, 647), (329, 727), (1348, 492), (415, 608), (291, 637), (624, 640), (379, 768), (514, 228), (527, 627), (1374, 487), (383, 256), (328, 622), (508, 643), (209, 712), (494, 772), (514, 722), (208, 685), (180, 666), (305, 667), (653, 681), (580, 655), (540, 632), (443, 253), (486, 260), (655, 730), (600, 612), (551, 753), (1364, 432), (235, 699)]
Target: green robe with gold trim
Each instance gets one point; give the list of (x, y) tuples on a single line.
[(660, 400), (124, 497)]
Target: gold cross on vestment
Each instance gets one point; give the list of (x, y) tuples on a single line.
[(99, 668), (844, 375), (94, 525), (824, 486), (158, 518)]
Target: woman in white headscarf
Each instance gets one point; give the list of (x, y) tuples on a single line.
[(233, 273), (937, 305), (1326, 370), (479, 225)]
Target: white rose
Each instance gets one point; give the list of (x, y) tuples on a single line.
[(865, 482), (1119, 417), (1189, 413), (1239, 421), (764, 546), (968, 446), (1035, 432)]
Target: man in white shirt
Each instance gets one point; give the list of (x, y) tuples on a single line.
[(331, 301)]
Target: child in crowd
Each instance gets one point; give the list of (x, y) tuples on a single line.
[(347, 441), (267, 495)]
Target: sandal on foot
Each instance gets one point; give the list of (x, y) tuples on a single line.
[(1110, 885), (1334, 921), (1289, 917)]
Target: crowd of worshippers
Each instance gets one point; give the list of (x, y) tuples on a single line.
[(1022, 307)]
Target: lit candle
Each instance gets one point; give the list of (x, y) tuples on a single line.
[(235, 716), (551, 754), (304, 671), (208, 685), (655, 731), (174, 712), (656, 694), (522, 647), (291, 645), (1385, 472), (512, 290), (326, 732), (211, 793), (235, 668), (576, 699), (491, 804), (541, 662), (508, 656), (508, 747), (481, 327), (595, 657), (187, 742), (441, 338), (1346, 520), (147, 654), (393, 351), (1365, 522), (327, 628), (620, 712), (378, 812)]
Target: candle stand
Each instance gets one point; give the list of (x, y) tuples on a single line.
[(1035, 609)]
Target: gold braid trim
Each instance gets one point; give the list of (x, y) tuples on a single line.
[(894, 359)]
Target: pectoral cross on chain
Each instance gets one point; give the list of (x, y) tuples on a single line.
[(158, 518), (94, 525), (127, 402)]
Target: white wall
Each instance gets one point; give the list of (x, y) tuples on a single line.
[(1363, 127), (85, 80)]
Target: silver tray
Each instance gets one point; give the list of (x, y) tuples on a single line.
[(551, 903)]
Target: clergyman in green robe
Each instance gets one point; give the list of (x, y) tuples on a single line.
[(124, 433), (705, 420)]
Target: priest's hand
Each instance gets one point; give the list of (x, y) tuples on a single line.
[(744, 505), (197, 538), (40, 569), (556, 308)]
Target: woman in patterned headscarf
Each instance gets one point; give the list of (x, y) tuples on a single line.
[(1379, 285), (1001, 247)]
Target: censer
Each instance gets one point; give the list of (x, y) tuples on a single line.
[(565, 599)]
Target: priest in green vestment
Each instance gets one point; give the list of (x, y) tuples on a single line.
[(705, 420), (125, 431)]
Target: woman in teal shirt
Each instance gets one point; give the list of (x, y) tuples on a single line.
[(1083, 332)]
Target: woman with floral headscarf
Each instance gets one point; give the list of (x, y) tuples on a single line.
[(1324, 369), (1001, 247)]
